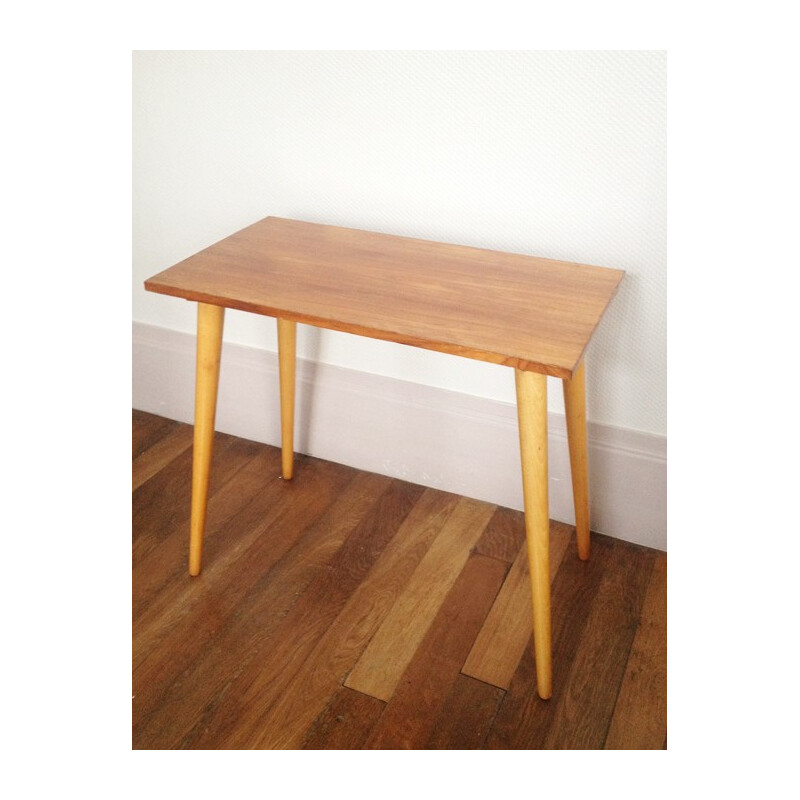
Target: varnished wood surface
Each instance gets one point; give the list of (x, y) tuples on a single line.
[(287, 358), (390, 650), (575, 408), (505, 634), (210, 321), (532, 418), (532, 313), (302, 577)]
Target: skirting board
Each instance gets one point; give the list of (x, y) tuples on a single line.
[(430, 436)]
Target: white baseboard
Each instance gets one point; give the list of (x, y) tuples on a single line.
[(434, 437)]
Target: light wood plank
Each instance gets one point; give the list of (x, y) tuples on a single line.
[(532, 313), (389, 652), (640, 714), (505, 635)]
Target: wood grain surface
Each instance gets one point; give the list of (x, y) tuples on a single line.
[(504, 637), (411, 713), (381, 667), (640, 713), (307, 577), (532, 313), (287, 720)]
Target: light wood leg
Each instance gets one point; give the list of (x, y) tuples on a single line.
[(287, 349), (575, 406), (532, 415), (209, 345)]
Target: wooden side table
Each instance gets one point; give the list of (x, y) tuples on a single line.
[(533, 314)]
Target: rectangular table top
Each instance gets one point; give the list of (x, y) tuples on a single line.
[(531, 313)]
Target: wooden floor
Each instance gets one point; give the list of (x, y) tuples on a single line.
[(345, 610)]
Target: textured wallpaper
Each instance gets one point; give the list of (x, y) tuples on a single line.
[(553, 153)]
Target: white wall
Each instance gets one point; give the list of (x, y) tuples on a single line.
[(553, 153)]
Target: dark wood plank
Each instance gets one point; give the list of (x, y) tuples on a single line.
[(524, 719), (532, 313), (162, 504), (345, 723), (410, 716), (503, 536), (242, 596), (322, 673), (160, 577), (583, 712), (466, 715), (147, 429), (237, 527), (257, 686), (640, 715), (160, 453)]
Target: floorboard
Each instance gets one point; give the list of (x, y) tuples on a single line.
[(148, 429), (345, 723), (466, 715), (584, 709), (640, 714)]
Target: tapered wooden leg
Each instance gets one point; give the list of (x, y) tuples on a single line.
[(575, 406), (209, 344), (287, 348), (532, 414)]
